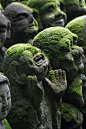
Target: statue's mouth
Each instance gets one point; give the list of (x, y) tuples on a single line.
[(40, 59), (4, 110)]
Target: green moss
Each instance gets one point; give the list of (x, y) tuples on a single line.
[(24, 2), (25, 6), (21, 49), (69, 112), (54, 41), (52, 77), (40, 7), (76, 26), (37, 4), (0, 6), (7, 125), (76, 87)]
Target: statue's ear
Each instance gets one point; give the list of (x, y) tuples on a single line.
[(8, 34), (13, 74)]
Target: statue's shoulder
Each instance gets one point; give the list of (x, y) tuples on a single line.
[(7, 125)]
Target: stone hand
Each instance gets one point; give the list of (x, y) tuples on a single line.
[(34, 90), (56, 83)]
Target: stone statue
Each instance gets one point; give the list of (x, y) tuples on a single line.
[(4, 33), (36, 92), (47, 13), (5, 102), (23, 24), (58, 44), (74, 8), (78, 26)]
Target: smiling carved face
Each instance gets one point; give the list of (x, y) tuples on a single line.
[(50, 13), (31, 60), (24, 25), (58, 44), (33, 64)]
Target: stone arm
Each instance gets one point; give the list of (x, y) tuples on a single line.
[(34, 90), (56, 84)]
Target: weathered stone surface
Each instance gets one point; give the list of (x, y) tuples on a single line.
[(35, 99)]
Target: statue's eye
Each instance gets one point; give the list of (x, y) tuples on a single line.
[(8, 96), (50, 8), (22, 15), (2, 29), (0, 99)]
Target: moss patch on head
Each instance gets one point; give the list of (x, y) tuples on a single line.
[(21, 49), (76, 26), (23, 5), (38, 4), (54, 40)]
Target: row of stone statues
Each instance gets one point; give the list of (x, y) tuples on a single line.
[(43, 56)]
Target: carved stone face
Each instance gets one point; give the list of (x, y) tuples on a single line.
[(5, 100), (24, 25), (72, 62), (3, 29), (74, 8), (31, 61), (49, 12), (57, 43), (36, 64)]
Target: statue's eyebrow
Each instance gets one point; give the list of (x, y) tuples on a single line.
[(22, 13), (50, 4), (2, 26), (25, 14)]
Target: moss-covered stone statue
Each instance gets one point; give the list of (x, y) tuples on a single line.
[(58, 44), (5, 102), (78, 26), (23, 24), (35, 98), (74, 8), (4, 33), (47, 13)]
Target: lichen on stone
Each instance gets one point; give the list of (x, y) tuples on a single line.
[(70, 113), (23, 5), (75, 87)]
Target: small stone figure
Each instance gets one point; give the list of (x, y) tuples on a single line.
[(74, 8), (23, 24), (47, 13), (4, 33), (5, 102), (78, 26), (36, 92), (58, 44)]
